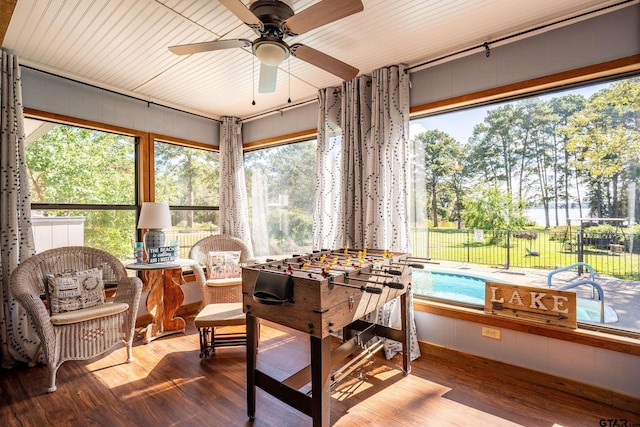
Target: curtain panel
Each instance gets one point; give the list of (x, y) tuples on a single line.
[(362, 172), (357, 130), (329, 176), (386, 166), (366, 154), (234, 207), (18, 338)]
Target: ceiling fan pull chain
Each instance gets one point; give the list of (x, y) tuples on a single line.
[(289, 100), (253, 79)]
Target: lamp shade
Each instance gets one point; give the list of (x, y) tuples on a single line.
[(154, 216)]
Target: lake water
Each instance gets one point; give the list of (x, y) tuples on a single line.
[(537, 215)]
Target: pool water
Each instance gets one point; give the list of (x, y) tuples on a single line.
[(470, 290), (452, 287)]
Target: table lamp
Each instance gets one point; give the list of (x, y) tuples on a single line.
[(154, 217)]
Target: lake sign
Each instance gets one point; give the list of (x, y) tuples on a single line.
[(543, 305)]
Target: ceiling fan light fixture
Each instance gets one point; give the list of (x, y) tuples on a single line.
[(271, 53)]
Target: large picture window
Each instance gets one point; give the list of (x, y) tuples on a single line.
[(536, 183), (83, 187), (280, 182), (188, 179)]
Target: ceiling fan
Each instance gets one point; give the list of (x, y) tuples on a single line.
[(273, 21)]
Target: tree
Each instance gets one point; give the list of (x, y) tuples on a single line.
[(534, 130), (71, 165), (440, 153), (563, 108), (186, 176), (605, 136), (488, 208), (492, 150), (281, 181)]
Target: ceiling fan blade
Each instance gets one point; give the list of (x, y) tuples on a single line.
[(321, 13), (188, 49), (324, 61), (268, 77), (243, 13)]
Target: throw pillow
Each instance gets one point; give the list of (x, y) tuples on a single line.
[(74, 290), (224, 264)]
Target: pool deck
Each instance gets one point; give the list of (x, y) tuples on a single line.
[(623, 295)]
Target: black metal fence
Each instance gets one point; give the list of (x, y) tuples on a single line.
[(616, 254)]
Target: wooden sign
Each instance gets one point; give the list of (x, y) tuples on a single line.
[(543, 305)]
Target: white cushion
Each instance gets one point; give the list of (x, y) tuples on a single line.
[(84, 314), (225, 282), (226, 314)]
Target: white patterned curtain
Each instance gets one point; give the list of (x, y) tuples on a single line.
[(356, 125), (18, 339), (329, 176), (234, 208), (386, 165), (374, 122)]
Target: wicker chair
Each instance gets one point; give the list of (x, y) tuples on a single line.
[(221, 298), (217, 291), (85, 333)]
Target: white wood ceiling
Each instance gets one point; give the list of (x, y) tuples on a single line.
[(122, 44)]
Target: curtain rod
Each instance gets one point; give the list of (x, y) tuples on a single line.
[(279, 110), (487, 44), (118, 93)]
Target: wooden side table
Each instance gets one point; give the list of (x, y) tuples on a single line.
[(163, 280)]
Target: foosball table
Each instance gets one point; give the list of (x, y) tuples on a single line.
[(321, 294)]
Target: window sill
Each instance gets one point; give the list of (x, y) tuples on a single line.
[(622, 344)]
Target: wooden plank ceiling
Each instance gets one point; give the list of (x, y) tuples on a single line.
[(122, 45)]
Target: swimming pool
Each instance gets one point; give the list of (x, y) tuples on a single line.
[(469, 289), (448, 286)]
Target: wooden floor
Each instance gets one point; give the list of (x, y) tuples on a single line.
[(168, 385)]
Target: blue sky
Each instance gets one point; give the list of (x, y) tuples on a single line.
[(459, 124)]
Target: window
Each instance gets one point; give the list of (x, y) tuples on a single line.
[(188, 179), (280, 186), (83, 187), (539, 182)]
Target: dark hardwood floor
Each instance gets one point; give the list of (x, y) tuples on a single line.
[(168, 385)]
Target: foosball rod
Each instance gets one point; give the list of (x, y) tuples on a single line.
[(333, 269), (349, 254), (407, 264), (355, 363), (392, 285), (369, 289), (373, 290)]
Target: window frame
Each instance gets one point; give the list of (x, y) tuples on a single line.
[(144, 162), (265, 144), (139, 141), (150, 160), (153, 137), (599, 337)]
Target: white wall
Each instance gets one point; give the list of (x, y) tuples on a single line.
[(600, 39), (597, 366), (53, 94), (295, 120)]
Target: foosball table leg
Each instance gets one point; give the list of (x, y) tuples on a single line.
[(253, 336), (406, 328), (320, 381)]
